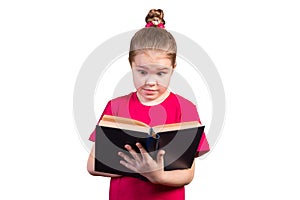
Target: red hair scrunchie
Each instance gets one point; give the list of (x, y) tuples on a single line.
[(150, 24)]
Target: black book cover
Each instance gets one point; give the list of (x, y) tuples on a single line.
[(180, 147)]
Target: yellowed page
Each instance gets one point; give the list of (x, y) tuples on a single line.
[(176, 126), (124, 126), (123, 120)]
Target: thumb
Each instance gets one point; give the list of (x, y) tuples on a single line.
[(160, 157)]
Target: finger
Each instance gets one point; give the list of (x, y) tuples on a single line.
[(133, 153), (145, 154), (126, 158), (160, 158), (128, 165)]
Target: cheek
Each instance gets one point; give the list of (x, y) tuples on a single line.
[(164, 81), (138, 81)]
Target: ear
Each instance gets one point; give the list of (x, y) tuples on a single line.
[(130, 62), (173, 69), (174, 66)]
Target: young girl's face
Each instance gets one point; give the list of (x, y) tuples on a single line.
[(152, 71)]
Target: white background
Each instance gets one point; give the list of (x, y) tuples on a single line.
[(254, 44)]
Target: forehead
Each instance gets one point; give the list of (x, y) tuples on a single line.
[(152, 57), (153, 67)]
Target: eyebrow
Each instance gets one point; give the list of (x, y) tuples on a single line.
[(162, 68), (144, 67)]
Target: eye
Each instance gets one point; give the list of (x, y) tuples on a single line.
[(142, 72), (161, 73)]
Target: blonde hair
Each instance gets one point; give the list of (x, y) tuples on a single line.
[(153, 38)]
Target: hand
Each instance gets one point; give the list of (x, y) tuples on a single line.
[(143, 163)]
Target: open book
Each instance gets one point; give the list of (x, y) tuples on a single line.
[(179, 140)]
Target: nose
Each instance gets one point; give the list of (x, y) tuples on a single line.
[(151, 81)]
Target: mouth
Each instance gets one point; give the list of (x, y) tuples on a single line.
[(149, 91)]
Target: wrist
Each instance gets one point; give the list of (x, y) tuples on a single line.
[(156, 178)]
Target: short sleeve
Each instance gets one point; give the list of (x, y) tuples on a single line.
[(107, 111), (203, 146), (189, 113)]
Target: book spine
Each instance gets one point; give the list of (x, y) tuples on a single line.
[(152, 145), (152, 133)]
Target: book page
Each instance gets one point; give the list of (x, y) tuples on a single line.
[(176, 126), (123, 120), (124, 123)]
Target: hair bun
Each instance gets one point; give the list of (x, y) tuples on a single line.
[(155, 18)]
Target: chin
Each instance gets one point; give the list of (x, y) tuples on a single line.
[(150, 97)]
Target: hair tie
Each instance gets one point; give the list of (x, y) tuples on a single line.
[(150, 24)]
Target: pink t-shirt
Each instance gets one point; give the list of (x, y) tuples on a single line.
[(172, 110)]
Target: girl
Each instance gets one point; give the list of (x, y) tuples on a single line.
[(152, 58)]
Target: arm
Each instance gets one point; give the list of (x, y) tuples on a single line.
[(175, 178), (90, 166), (153, 170)]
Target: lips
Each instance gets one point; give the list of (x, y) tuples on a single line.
[(149, 91)]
